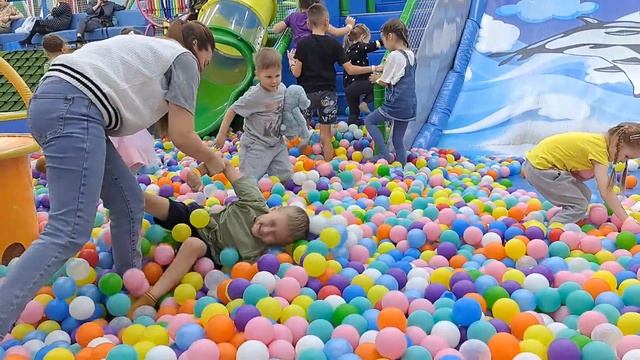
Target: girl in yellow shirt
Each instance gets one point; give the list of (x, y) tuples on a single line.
[(558, 166)]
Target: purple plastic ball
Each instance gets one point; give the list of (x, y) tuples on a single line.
[(446, 249), (269, 263), (236, 288), (243, 314), (563, 349), (166, 191), (433, 292)]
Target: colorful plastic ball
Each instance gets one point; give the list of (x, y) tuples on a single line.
[(229, 257), (64, 287), (281, 349), (181, 232), (82, 308), (59, 354), (163, 254), (598, 350), (315, 264), (391, 343), (188, 334), (199, 218), (203, 349), (118, 304), (563, 349), (161, 352), (466, 311), (308, 342), (259, 328)]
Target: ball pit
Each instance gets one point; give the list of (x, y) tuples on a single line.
[(442, 259)]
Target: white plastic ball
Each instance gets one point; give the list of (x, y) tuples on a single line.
[(490, 238), (317, 223), (213, 278), (161, 352), (254, 350), (353, 127), (335, 301), (526, 262), (577, 265), (57, 335), (265, 279), (338, 220), (419, 272), (534, 282), (416, 283), (81, 308), (99, 341), (526, 356), (447, 330), (153, 189), (374, 274), (313, 175), (145, 310), (367, 153), (308, 185), (632, 355), (368, 337), (77, 268), (556, 327), (632, 165), (342, 127), (607, 333), (33, 345), (475, 349), (357, 134), (309, 342), (120, 322), (299, 178)]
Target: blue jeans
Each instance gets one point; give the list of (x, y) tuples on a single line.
[(82, 166), (399, 128)]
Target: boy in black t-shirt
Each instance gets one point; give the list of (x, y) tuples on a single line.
[(313, 65)]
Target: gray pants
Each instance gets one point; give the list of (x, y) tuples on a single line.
[(561, 189), (258, 159)]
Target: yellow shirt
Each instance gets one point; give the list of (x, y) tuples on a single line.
[(572, 151)]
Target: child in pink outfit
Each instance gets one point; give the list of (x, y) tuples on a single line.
[(136, 150)]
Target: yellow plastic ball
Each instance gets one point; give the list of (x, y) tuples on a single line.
[(183, 293), (143, 347), (625, 284), (299, 252), (303, 301), (330, 236), (194, 279), (48, 326), (608, 277), (427, 255), (534, 347), (234, 304), (385, 247), (270, 308), (363, 281), (629, 323), (22, 330), (290, 311), (90, 279), (515, 249), (133, 334), (505, 309), (167, 145), (212, 310), (499, 212), (59, 354), (157, 335), (334, 265), (315, 264), (43, 299), (604, 256), (514, 275), (181, 232), (442, 276), (376, 293), (356, 156), (539, 333), (397, 197), (199, 218)]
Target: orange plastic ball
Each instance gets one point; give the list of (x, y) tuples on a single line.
[(383, 231), (101, 351), (631, 182), (503, 346), (392, 317), (367, 351), (521, 322), (494, 251), (243, 270), (220, 329), (152, 271), (227, 351), (595, 287), (87, 332), (238, 339)]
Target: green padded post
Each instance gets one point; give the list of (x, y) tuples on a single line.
[(371, 6)]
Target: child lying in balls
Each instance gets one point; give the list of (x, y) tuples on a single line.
[(247, 225)]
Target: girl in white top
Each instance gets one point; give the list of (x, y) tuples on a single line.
[(115, 87)]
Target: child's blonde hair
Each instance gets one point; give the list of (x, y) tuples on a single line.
[(268, 58), (626, 133), (359, 33)]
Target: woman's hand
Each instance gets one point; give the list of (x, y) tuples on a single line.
[(374, 77), (194, 181)]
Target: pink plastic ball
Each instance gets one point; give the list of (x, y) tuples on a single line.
[(135, 281), (631, 226), (164, 254), (436, 180), (348, 333), (571, 239), (611, 266), (287, 288), (19, 350), (204, 349), (398, 233), (32, 313), (298, 273), (495, 269), (395, 299), (391, 342), (359, 254), (421, 304), (204, 265), (560, 314), (416, 334), (179, 321), (589, 320), (281, 349), (450, 352), (298, 327), (598, 214), (438, 261), (323, 169), (628, 343), (261, 329), (434, 344), (432, 230), (265, 184), (446, 216), (537, 249), (281, 332), (472, 235), (590, 244)]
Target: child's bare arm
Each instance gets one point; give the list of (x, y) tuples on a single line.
[(224, 127), (350, 22), (608, 195), (157, 206), (357, 70), (279, 27), (294, 64), (231, 173)]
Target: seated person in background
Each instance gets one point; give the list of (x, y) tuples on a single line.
[(59, 19), (53, 46), (100, 15), (247, 225), (8, 13)]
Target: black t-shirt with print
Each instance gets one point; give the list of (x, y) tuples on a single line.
[(318, 54)]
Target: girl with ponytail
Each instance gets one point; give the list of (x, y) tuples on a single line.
[(558, 166)]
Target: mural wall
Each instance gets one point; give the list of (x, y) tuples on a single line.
[(542, 67)]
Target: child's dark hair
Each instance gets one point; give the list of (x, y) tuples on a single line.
[(316, 15), (186, 32), (357, 34), (53, 43), (397, 28), (298, 223), (306, 4), (267, 58), (626, 133)]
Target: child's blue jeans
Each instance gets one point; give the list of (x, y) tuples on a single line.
[(397, 137), (82, 166)]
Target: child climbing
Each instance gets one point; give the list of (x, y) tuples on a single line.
[(313, 64), (298, 22), (246, 225), (398, 76), (558, 166), (358, 88)]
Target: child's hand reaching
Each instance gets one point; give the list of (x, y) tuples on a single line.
[(374, 77), (350, 21), (291, 55), (194, 180), (220, 139)]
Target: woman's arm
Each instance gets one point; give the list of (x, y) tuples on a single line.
[(181, 132), (608, 194)]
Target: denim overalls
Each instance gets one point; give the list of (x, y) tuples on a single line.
[(400, 99)]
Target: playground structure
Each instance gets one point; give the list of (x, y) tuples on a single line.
[(17, 207)]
